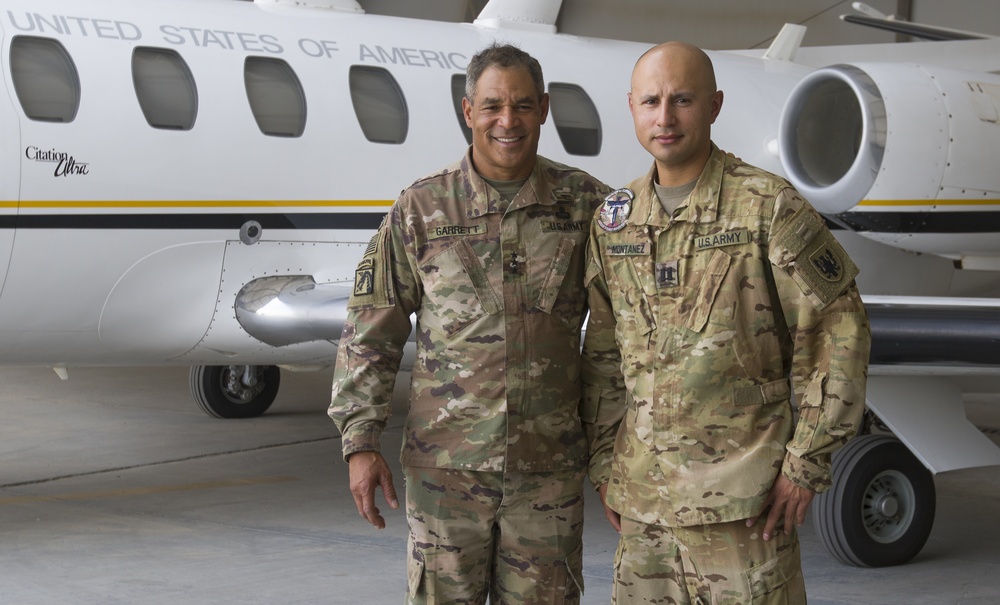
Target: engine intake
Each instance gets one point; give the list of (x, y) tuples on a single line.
[(832, 137)]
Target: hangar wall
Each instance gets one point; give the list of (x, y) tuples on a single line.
[(720, 24)]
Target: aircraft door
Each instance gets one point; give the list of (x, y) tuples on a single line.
[(10, 161)]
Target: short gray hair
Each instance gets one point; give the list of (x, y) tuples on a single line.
[(505, 56)]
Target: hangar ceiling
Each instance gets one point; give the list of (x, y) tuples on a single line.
[(720, 24)]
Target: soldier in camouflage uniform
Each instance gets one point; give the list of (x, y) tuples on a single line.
[(724, 292), (490, 255)]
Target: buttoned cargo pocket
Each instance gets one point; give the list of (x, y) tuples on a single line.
[(548, 293), (414, 578), (634, 335), (457, 290), (707, 290), (778, 581), (568, 578)]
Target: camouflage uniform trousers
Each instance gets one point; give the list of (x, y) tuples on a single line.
[(515, 537), (721, 564)]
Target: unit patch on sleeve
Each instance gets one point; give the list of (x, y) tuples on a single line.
[(373, 277), (826, 262), (364, 278), (813, 257)]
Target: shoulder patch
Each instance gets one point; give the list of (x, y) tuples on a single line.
[(827, 262), (825, 268), (613, 215), (809, 252), (373, 275)]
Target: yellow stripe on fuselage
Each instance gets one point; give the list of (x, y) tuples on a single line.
[(924, 203), (227, 204)]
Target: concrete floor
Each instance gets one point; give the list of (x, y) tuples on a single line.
[(116, 488)]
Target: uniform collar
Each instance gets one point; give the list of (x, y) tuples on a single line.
[(483, 199), (702, 205)]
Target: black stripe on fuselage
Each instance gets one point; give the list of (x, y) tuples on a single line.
[(314, 220), (874, 222), (918, 222)]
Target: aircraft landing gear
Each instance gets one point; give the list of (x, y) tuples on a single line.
[(880, 509), (234, 391)]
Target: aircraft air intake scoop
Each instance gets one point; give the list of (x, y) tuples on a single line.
[(291, 309)]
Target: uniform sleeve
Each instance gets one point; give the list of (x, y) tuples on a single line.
[(831, 337), (604, 400), (371, 345)]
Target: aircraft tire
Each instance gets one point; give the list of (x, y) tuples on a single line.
[(219, 391), (880, 508)]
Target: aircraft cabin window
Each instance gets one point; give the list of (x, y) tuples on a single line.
[(457, 94), (379, 104), (45, 79), (165, 88), (576, 118), (276, 97)]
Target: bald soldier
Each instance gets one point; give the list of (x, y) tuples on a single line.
[(715, 292)]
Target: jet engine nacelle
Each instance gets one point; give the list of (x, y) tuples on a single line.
[(879, 131)]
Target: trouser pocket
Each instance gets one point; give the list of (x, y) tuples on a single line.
[(778, 581)]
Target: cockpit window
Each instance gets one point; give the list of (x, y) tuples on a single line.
[(379, 104), (45, 79), (165, 88), (276, 97), (457, 94), (576, 118)]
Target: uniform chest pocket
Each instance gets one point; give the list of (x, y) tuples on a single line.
[(457, 289), (706, 291), (548, 293), (635, 314)]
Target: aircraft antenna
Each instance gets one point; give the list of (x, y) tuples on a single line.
[(347, 6), (532, 15)]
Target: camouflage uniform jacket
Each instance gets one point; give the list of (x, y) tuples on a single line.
[(714, 310), (499, 303)]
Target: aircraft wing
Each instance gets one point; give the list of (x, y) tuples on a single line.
[(872, 18), (917, 30)]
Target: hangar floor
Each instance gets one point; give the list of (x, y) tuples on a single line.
[(116, 488)]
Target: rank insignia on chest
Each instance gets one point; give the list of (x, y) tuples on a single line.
[(615, 210), (668, 274)]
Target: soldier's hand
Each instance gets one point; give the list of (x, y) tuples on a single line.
[(369, 470), (613, 518), (786, 501)]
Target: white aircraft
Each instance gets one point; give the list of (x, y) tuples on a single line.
[(192, 182)]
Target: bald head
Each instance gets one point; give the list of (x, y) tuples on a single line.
[(674, 102), (673, 55)]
